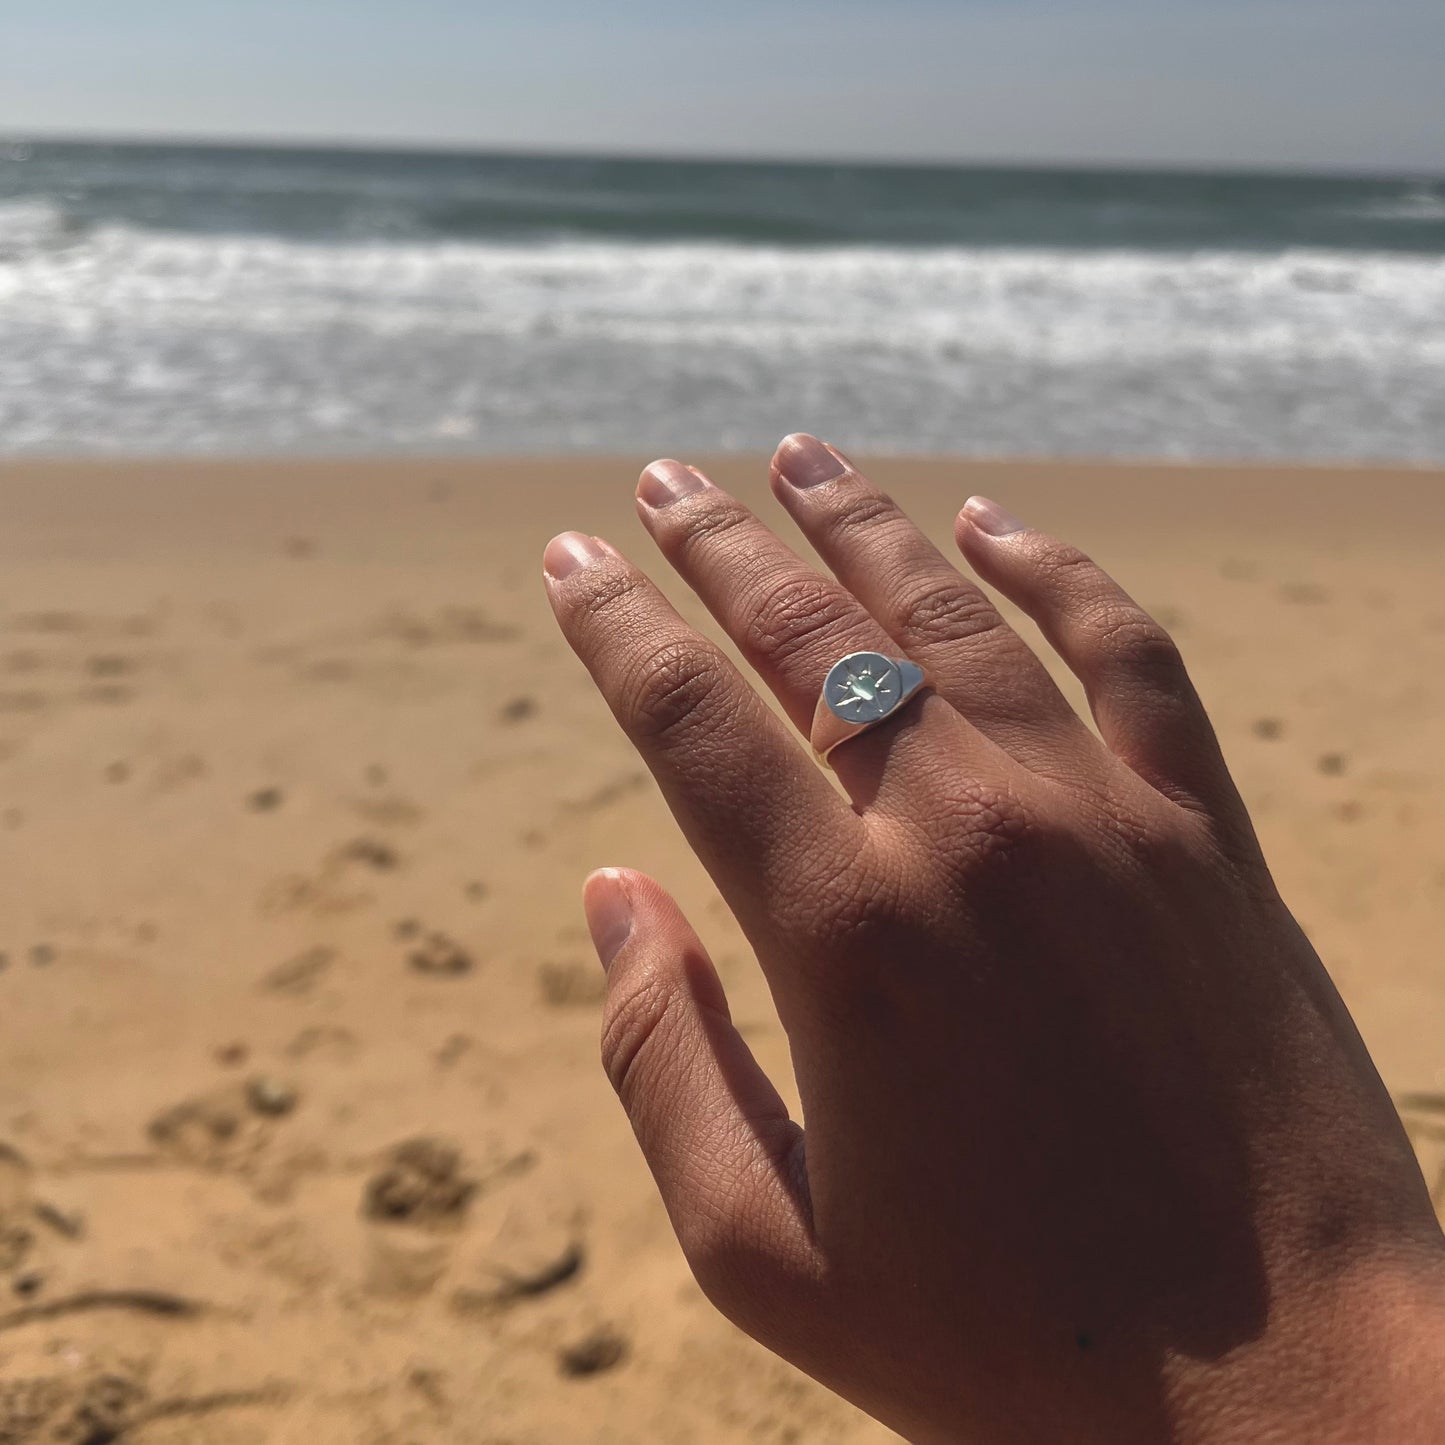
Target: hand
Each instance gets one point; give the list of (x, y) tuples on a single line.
[(1093, 1150)]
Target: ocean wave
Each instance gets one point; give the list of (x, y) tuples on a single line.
[(31, 227), (123, 337), (1020, 296), (1423, 204)]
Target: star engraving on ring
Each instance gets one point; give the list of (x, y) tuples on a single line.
[(865, 687), (860, 689)]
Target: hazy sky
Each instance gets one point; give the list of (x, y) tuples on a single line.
[(1261, 82)]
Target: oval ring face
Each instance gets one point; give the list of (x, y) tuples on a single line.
[(863, 687)]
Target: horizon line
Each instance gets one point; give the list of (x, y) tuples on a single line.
[(12, 136)]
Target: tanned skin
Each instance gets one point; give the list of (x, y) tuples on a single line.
[(1093, 1153)]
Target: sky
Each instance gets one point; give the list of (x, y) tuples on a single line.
[(1273, 83)]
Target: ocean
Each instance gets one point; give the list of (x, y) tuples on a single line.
[(231, 300)]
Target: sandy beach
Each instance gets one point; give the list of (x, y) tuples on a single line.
[(302, 1132)]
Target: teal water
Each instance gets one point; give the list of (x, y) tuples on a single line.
[(202, 298), (415, 196)]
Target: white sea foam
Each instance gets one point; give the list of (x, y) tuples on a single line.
[(120, 339)]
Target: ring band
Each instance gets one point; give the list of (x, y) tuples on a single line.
[(860, 691)]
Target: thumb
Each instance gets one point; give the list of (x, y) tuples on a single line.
[(727, 1159)]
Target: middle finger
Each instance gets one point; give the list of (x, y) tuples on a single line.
[(792, 624), (981, 665)]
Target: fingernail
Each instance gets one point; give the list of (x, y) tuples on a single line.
[(806, 462), (569, 552), (609, 913), (989, 517), (667, 481)]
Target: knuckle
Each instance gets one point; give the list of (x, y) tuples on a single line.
[(990, 822), (1138, 836), (677, 685), (790, 612), (1117, 628), (855, 917), (712, 519), (850, 909), (1066, 563), (951, 612), (641, 1028), (970, 825), (819, 892), (1130, 638), (860, 511)]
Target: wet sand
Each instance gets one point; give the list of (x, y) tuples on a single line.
[(302, 1133)]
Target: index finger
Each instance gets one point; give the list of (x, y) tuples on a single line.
[(757, 810)]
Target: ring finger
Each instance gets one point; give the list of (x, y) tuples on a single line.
[(792, 624), (946, 623)]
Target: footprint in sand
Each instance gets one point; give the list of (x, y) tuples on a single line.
[(367, 851), (419, 1192), (533, 1253), (302, 974), (601, 1349), (227, 1128), (420, 1182), (519, 709), (81, 1407), (99, 1396), (333, 887), (441, 956), (271, 1097), (31, 1230)]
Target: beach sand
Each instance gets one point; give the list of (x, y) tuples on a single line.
[(298, 783)]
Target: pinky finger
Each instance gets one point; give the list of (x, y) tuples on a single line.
[(1147, 710), (727, 1159)]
